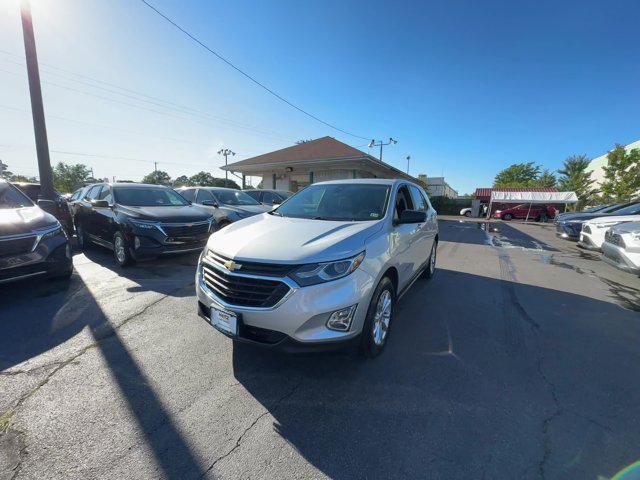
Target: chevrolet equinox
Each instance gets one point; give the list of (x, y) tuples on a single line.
[(325, 268)]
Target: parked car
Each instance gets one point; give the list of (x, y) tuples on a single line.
[(140, 221), (593, 231), (621, 247), (467, 212), (268, 197), (324, 269), (598, 208), (32, 241), (524, 211), (75, 198), (227, 205), (569, 227), (58, 208)]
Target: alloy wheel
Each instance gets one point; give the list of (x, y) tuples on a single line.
[(119, 248), (382, 317)]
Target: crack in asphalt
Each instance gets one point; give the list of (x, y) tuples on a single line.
[(546, 422), (253, 424)]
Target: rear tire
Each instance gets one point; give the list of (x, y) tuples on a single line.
[(467, 214), (377, 324), (121, 250), (506, 216)]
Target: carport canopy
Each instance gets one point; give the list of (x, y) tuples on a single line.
[(532, 198)]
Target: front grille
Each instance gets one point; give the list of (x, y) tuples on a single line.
[(253, 268), (243, 291), (586, 229), (186, 229), (614, 238), (16, 246)]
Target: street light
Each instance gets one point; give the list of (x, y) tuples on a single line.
[(226, 152), (408, 158), (382, 144)]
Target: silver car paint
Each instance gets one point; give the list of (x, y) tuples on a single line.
[(272, 239)]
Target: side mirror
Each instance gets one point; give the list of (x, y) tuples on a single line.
[(100, 204), (412, 216), (48, 206), (277, 201), (210, 203)]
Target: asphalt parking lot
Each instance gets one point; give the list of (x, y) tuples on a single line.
[(520, 359)]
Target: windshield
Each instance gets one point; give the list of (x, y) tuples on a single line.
[(595, 209), (233, 197), (148, 197), (338, 202), (11, 197), (630, 210)]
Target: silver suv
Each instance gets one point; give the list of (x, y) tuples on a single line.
[(325, 268)]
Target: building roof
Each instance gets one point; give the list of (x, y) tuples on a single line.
[(486, 192), (324, 148)]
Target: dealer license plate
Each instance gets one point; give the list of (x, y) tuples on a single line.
[(225, 321)]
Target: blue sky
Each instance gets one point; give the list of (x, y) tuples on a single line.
[(466, 87)]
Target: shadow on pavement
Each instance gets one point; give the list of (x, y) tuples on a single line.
[(23, 338), (36, 316), (498, 234), (463, 389)]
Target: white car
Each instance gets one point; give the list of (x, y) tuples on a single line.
[(466, 212), (592, 233), (621, 247)]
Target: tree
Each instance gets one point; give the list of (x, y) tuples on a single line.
[(622, 174), (4, 170), (202, 179), (575, 178), (22, 178), (517, 175), (157, 177), (181, 181), (68, 178), (546, 180)]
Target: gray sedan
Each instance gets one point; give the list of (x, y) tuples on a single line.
[(227, 205)]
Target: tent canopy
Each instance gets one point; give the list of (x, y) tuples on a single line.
[(533, 197)]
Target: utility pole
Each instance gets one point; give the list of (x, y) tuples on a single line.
[(382, 144), (37, 108), (226, 152), (408, 158), (155, 167)]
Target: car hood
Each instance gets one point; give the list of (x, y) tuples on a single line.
[(246, 209), (269, 238), (614, 218), (14, 221), (582, 217), (626, 227), (177, 214)]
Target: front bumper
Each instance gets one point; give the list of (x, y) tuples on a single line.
[(154, 243), (592, 240), (568, 231), (51, 257), (621, 258), (298, 322)]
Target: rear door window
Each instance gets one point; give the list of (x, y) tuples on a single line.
[(204, 195), (93, 192), (187, 194)]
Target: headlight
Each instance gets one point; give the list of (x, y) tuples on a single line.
[(143, 225), (55, 230), (606, 225), (635, 235), (315, 273)]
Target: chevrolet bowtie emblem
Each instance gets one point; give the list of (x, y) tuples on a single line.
[(231, 265)]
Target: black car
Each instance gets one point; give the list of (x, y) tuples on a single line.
[(58, 207), (268, 197), (139, 221), (32, 241), (226, 204), (570, 225)]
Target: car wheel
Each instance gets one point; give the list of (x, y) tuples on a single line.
[(66, 276), (431, 266), (83, 240), (223, 224), (121, 250), (377, 325), (507, 216), (467, 214)]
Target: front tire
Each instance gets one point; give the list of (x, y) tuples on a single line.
[(430, 271), (467, 214), (507, 217), (83, 239), (121, 250), (377, 324)]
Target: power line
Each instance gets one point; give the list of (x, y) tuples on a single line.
[(242, 72)]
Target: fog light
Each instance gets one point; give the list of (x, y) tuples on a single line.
[(341, 319), (136, 243)]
